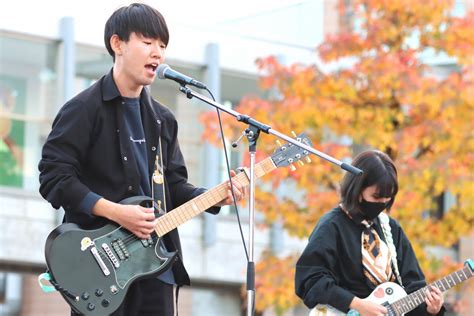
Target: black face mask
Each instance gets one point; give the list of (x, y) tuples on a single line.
[(372, 209)]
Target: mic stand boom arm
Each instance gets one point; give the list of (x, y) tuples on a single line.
[(252, 134), (267, 129)]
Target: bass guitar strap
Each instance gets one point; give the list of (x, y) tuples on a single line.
[(387, 232), (158, 182)]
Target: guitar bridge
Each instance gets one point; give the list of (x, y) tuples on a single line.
[(147, 242)]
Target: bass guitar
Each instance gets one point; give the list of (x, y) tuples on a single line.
[(93, 269), (396, 300)]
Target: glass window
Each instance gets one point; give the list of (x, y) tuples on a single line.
[(92, 63), (27, 93)]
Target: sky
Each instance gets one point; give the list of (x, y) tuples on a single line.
[(243, 17), (245, 29)]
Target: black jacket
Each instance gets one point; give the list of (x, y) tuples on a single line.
[(329, 270), (86, 152)]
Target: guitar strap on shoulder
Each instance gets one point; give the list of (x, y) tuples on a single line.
[(158, 181), (387, 232)]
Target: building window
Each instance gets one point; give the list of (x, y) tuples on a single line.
[(27, 93)]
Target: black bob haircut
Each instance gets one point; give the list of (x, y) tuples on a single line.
[(379, 170), (138, 18)]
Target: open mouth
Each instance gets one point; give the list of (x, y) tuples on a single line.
[(152, 66)]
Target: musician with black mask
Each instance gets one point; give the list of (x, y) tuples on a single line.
[(355, 247)]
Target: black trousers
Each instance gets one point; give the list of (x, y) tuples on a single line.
[(147, 297)]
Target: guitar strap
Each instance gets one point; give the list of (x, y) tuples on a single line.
[(376, 262), (158, 182), (387, 232)]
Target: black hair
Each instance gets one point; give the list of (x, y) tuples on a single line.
[(379, 170), (138, 18)]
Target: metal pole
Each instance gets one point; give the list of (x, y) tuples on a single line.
[(251, 263)]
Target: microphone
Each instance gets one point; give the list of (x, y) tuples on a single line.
[(165, 72)]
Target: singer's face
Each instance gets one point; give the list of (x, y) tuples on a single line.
[(139, 58)]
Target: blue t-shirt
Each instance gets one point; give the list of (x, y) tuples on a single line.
[(136, 135)]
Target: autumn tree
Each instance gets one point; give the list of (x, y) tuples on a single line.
[(384, 94)]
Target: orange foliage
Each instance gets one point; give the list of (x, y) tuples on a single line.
[(384, 95), (274, 281)]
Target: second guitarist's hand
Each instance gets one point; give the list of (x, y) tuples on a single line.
[(367, 308), (434, 300), (139, 220)]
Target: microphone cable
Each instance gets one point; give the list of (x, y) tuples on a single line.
[(229, 176)]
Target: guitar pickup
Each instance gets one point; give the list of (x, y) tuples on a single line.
[(99, 260), (111, 256)]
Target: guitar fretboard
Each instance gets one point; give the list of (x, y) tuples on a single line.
[(410, 302), (199, 204)]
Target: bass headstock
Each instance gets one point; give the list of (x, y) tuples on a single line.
[(470, 264), (288, 154)]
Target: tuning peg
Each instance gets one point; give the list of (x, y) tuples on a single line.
[(308, 160), (300, 163), (278, 143), (294, 134), (292, 167)]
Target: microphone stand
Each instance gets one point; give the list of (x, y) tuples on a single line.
[(252, 133)]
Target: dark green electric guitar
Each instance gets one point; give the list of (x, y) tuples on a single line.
[(93, 269)]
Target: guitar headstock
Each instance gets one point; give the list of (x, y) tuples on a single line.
[(470, 264), (288, 154)]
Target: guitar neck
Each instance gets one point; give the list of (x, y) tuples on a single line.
[(199, 204), (410, 302)]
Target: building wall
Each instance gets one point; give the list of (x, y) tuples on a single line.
[(37, 303)]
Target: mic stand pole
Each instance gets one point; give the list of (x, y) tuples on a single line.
[(252, 134)]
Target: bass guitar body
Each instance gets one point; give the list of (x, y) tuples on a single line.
[(93, 269), (384, 294)]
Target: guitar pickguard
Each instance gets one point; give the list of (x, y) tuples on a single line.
[(135, 257)]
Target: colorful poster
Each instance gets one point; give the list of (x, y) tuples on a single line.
[(12, 131)]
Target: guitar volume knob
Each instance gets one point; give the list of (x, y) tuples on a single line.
[(114, 289)]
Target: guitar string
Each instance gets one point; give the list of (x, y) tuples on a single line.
[(207, 195), (130, 238), (404, 303)]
